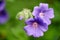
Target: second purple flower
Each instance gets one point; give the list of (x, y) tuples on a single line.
[(35, 27), (43, 12), (3, 12), (3, 16)]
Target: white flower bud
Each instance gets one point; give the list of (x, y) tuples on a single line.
[(24, 14)]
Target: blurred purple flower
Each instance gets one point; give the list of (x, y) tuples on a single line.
[(43, 12), (35, 27), (2, 4), (21, 17), (3, 16)]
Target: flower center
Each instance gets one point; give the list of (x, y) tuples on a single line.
[(0, 1), (35, 25), (1, 14), (41, 14)]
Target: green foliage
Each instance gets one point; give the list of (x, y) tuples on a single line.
[(13, 29)]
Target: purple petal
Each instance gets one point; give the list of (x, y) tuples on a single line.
[(44, 6), (39, 20), (50, 13), (35, 11), (3, 17), (44, 28), (2, 5), (31, 31), (21, 17), (46, 20), (38, 33), (29, 21)]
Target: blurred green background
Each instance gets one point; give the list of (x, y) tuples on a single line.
[(13, 29)]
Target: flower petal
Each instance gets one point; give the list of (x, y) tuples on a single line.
[(3, 16), (29, 29), (50, 13), (21, 17), (2, 5), (38, 33), (35, 11), (44, 5), (46, 20), (44, 28), (29, 21)]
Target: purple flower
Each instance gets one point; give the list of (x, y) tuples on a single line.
[(43, 12), (21, 17), (35, 27), (2, 4), (3, 16)]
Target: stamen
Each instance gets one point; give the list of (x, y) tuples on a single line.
[(41, 14), (35, 25)]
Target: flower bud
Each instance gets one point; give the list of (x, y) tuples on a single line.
[(24, 14)]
